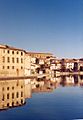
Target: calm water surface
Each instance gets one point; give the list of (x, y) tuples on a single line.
[(63, 103)]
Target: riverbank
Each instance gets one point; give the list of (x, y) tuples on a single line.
[(40, 76), (69, 73)]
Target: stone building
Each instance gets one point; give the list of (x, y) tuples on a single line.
[(38, 62), (39, 55), (13, 61), (18, 62)]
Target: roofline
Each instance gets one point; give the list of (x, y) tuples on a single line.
[(4, 46), (39, 53)]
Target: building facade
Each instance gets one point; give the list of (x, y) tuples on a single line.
[(13, 61), (39, 55), (18, 62)]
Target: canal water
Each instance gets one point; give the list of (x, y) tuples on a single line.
[(64, 101)]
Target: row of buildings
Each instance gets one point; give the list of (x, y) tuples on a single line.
[(70, 65), (18, 62)]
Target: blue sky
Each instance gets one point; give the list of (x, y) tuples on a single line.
[(54, 26)]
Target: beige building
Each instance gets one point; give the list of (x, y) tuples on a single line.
[(37, 60), (18, 62), (13, 93), (13, 61), (39, 55), (27, 65)]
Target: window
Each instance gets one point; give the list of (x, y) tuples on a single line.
[(21, 94), (8, 67), (21, 60), (13, 60), (17, 52), (8, 96), (17, 60), (21, 67), (3, 89), (17, 102), (3, 67), (3, 59), (8, 59), (21, 101), (7, 88), (12, 67), (21, 53), (8, 51), (3, 51), (3, 97), (12, 95), (7, 104), (12, 103), (17, 84), (21, 86), (13, 88), (12, 52), (17, 94)]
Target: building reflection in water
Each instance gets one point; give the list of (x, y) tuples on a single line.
[(15, 92), (42, 85), (74, 80)]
